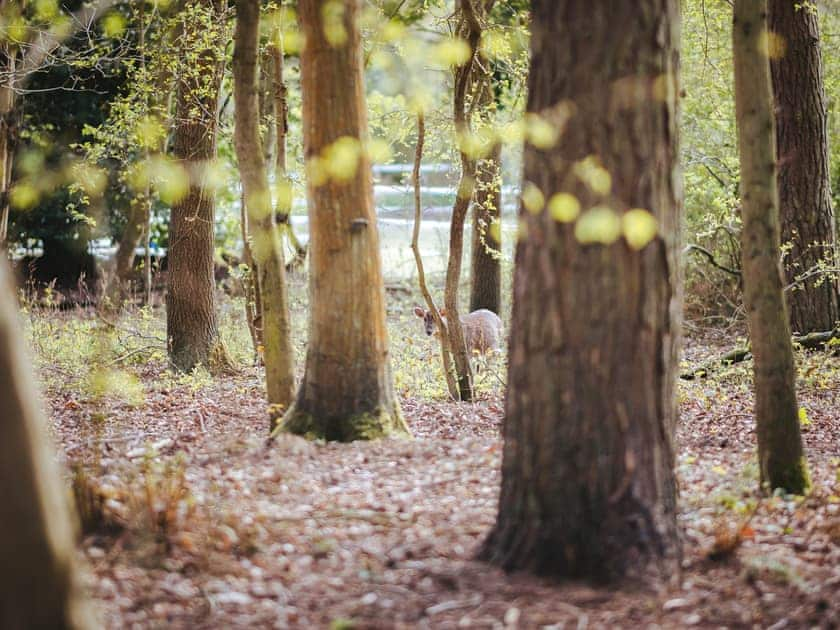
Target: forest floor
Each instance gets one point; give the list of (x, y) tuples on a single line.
[(192, 521)]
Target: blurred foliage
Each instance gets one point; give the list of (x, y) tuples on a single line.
[(97, 121)]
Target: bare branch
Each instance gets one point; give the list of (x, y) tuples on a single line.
[(47, 41)]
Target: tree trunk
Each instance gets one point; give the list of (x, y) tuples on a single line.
[(135, 227), (39, 588), (347, 390), (140, 212), (283, 211), (588, 487), (467, 87), (7, 106), (486, 285), (191, 326), (780, 455), (807, 218), (446, 357), (266, 246)]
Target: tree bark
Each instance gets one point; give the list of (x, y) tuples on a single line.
[(283, 211), (807, 218), (192, 329), (8, 59), (486, 277), (467, 86), (347, 391), (588, 487), (446, 357), (781, 459), (266, 246), (135, 227), (39, 588), (139, 222)]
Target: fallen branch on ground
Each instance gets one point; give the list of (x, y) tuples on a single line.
[(811, 341)]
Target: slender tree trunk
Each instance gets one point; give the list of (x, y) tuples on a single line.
[(7, 105), (807, 218), (266, 246), (588, 487), (39, 587), (347, 390), (253, 305), (283, 210), (135, 227), (469, 28), (446, 357), (191, 325), (486, 280), (780, 455), (139, 225)]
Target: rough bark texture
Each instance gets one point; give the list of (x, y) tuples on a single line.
[(191, 325), (486, 277), (347, 390), (780, 455), (807, 218), (39, 587), (588, 487), (266, 246)]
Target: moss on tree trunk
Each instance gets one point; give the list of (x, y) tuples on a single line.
[(266, 246), (780, 454), (347, 389), (191, 326)]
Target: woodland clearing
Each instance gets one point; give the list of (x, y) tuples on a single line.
[(194, 521)]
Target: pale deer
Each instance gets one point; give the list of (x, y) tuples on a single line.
[(482, 329)]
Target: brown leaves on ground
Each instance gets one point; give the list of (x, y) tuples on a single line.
[(195, 523)]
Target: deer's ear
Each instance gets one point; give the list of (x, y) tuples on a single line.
[(419, 311)]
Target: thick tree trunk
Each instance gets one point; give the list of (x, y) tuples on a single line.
[(347, 390), (588, 487), (39, 587), (191, 325), (266, 246), (780, 455), (486, 280), (807, 218)]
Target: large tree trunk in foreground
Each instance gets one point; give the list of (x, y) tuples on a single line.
[(588, 487), (486, 277), (807, 218), (191, 326), (780, 455), (39, 587), (266, 246), (347, 390)]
